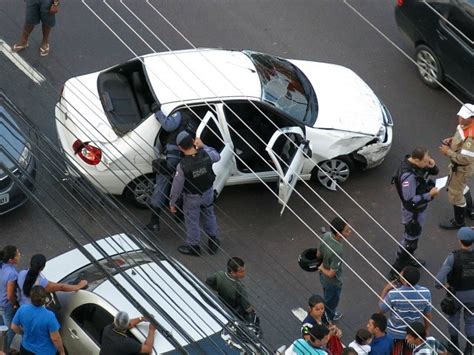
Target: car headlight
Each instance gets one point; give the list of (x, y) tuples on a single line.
[(25, 156), (382, 133)]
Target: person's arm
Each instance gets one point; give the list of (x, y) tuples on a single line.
[(334, 266), (134, 321), (327, 272), (385, 299), (57, 341), (427, 320), (432, 168), (213, 154), (17, 329), (168, 123), (11, 294), (176, 187), (464, 157), (211, 281), (147, 346), (54, 287), (442, 275), (408, 182)]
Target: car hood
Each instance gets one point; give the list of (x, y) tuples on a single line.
[(86, 118), (345, 101), (12, 141)]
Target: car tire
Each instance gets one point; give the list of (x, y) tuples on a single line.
[(429, 66), (339, 169), (138, 191)]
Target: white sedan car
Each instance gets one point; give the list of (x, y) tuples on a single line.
[(270, 118), (191, 319)]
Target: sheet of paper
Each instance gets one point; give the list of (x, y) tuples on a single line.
[(441, 182)]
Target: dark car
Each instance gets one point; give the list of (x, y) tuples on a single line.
[(443, 34), (15, 157)]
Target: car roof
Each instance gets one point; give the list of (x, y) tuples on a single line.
[(201, 74), (178, 299)]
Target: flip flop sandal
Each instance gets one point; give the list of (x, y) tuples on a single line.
[(19, 47), (44, 51)]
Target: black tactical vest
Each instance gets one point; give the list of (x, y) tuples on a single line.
[(421, 184), (461, 276), (198, 173)]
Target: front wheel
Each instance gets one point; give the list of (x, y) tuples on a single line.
[(139, 190), (429, 66), (336, 170)]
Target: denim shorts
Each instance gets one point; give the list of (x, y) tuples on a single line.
[(38, 10)]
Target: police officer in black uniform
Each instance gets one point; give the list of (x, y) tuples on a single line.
[(457, 272), (415, 190), (194, 181)]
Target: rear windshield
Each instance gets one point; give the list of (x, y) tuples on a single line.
[(125, 95)]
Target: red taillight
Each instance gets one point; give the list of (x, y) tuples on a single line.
[(88, 153), (400, 2)]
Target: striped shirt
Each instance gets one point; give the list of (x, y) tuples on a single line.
[(406, 304)]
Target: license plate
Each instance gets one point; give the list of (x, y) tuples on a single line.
[(5, 198)]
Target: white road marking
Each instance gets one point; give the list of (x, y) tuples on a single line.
[(22, 64), (299, 313)]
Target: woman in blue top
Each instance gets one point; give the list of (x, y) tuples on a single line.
[(9, 257), (39, 327), (32, 277)]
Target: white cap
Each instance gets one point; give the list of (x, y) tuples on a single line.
[(466, 111)]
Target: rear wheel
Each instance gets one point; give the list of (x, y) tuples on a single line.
[(429, 66), (336, 170), (139, 190)]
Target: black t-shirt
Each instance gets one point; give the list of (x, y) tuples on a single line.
[(114, 343)]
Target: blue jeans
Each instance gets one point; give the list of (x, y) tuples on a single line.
[(6, 319), (331, 299)]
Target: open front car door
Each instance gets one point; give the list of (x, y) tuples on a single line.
[(210, 132), (288, 150)]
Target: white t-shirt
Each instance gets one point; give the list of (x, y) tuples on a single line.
[(361, 349)]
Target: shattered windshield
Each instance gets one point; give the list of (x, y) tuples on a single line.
[(286, 87)]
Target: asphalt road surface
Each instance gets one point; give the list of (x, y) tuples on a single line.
[(91, 36)]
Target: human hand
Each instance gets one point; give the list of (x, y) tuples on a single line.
[(447, 141), (434, 192), (444, 149), (198, 142), (151, 327), (82, 284), (173, 209)]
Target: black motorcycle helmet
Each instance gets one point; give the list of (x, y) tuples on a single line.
[(308, 261)]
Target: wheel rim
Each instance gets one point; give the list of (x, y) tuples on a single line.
[(142, 191), (335, 169), (427, 66)]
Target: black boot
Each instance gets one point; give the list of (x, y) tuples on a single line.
[(469, 206), (213, 245), (458, 220), (154, 224)]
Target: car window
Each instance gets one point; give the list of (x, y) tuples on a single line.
[(92, 319), (286, 147), (95, 276), (461, 19)]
